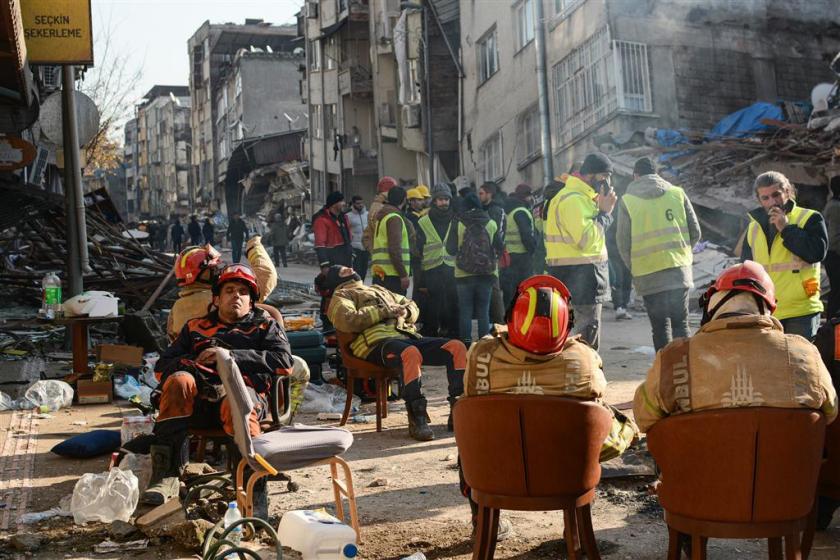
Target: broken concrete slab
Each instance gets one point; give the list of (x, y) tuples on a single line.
[(156, 522), (122, 531), (26, 542), (190, 534)]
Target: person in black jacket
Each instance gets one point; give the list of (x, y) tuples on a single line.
[(177, 235), (435, 276), (194, 229), (519, 241), (489, 195), (236, 234), (826, 343), (207, 232)]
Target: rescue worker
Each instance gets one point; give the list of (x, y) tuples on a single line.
[(435, 278), (519, 240), (426, 194), (390, 258), (534, 354), (740, 357), (190, 393), (789, 242), (489, 195), (656, 230), (416, 206), (541, 211), (575, 241), (196, 271), (827, 342), (332, 233), (384, 185), (384, 323), (416, 210)]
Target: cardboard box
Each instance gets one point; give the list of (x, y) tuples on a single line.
[(88, 392), (120, 354)]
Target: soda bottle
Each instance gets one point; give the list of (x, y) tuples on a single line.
[(51, 295)]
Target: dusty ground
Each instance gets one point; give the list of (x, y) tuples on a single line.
[(419, 508)]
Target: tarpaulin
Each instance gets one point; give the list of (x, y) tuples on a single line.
[(747, 121)]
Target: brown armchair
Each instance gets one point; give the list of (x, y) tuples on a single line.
[(531, 453), (738, 474)]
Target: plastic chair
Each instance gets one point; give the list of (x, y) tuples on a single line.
[(829, 481), (531, 453), (738, 474), (285, 449), (362, 369)]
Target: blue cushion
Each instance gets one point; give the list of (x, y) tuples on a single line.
[(91, 444)]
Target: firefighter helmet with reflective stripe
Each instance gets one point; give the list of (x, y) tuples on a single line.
[(748, 276), (539, 318), (194, 260), (237, 273)]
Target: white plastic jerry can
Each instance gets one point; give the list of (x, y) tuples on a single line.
[(317, 535)]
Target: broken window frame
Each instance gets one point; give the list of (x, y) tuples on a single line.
[(487, 55)]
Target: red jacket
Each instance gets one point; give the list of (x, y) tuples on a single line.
[(331, 232)]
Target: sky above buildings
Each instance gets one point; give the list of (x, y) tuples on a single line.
[(151, 35)]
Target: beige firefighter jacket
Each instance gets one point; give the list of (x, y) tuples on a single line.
[(366, 311), (194, 300), (738, 361), (494, 365)]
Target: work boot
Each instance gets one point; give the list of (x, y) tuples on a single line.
[(164, 484), (418, 420), (825, 511), (450, 425)]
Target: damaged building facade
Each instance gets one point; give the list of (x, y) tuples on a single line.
[(372, 110), (616, 68)]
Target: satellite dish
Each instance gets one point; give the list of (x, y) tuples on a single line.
[(87, 118)]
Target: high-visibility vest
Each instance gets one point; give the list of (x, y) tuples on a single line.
[(380, 260), (571, 214), (491, 228), (513, 240), (434, 254), (659, 237), (791, 275)]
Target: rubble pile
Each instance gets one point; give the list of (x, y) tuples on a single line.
[(36, 244)]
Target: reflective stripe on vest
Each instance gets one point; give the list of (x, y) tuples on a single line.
[(513, 240), (789, 273), (362, 344), (380, 259), (434, 254), (576, 199), (659, 237)]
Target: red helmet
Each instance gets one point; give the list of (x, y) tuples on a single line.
[(194, 260), (385, 184), (538, 318), (237, 273), (748, 276)]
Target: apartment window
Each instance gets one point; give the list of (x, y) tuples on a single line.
[(316, 121), (528, 134), (490, 159), (331, 125), (342, 6), (562, 8), (488, 56), (315, 55), (413, 89), (524, 23), (597, 79), (238, 84), (331, 53)]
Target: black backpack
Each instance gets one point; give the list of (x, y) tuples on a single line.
[(476, 254)]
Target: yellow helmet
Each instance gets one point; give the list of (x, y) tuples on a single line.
[(424, 191), (414, 194)]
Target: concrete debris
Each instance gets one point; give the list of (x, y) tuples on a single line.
[(160, 519), (121, 531), (190, 534), (379, 482), (26, 542)]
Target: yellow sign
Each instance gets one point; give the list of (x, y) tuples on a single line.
[(57, 31)]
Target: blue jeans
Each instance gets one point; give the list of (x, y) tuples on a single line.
[(473, 302), (806, 325), (668, 314)]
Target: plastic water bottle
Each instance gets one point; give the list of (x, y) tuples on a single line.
[(232, 516), (51, 295), (317, 535)]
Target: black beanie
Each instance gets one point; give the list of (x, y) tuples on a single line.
[(396, 196), (334, 197), (644, 166), (596, 163)]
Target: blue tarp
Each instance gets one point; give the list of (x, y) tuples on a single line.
[(747, 121), (668, 137)]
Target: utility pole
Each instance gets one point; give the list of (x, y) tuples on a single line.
[(542, 89), (430, 137), (74, 198)]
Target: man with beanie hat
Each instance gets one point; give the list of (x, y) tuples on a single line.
[(575, 241), (519, 240), (392, 243), (435, 277), (332, 239), (386, 335), (655, 231)]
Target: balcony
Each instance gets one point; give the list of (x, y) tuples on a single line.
[(360, 161), (355, 80)]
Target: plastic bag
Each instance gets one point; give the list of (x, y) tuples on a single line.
[(7, 402), (326, 398), (126, 386), (51, 394), (134, 426), (61, 510), (105, 497), (141, 466)]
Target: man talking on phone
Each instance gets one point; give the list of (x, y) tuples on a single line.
[(575, 241), (789, 242)]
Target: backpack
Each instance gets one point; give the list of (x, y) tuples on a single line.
[(476, 254)]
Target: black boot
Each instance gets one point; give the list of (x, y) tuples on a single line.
[(825, 511), (450, 425), (418, 423)]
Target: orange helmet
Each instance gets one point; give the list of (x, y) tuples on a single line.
[(194, 260), (748, 276), (237, 273), (385, 184), (539, 318)]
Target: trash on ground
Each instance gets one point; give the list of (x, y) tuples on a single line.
[(105, 497), (108, 546), (326, 398)]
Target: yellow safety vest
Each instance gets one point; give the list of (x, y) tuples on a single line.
[(434, 254), (571, 234), (380, 260), (491, 228), (513, 240), (789, 273), (659, 237)]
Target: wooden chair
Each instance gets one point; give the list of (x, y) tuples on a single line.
[(531, 453), (362, 369), (829, 481), (288, 448), (738, 474)]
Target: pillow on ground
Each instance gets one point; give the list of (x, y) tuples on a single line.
[(91, 444)]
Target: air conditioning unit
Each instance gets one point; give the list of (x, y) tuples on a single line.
[(411, 116), (311, 9)]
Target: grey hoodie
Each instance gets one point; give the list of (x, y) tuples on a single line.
[(649, 187)]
